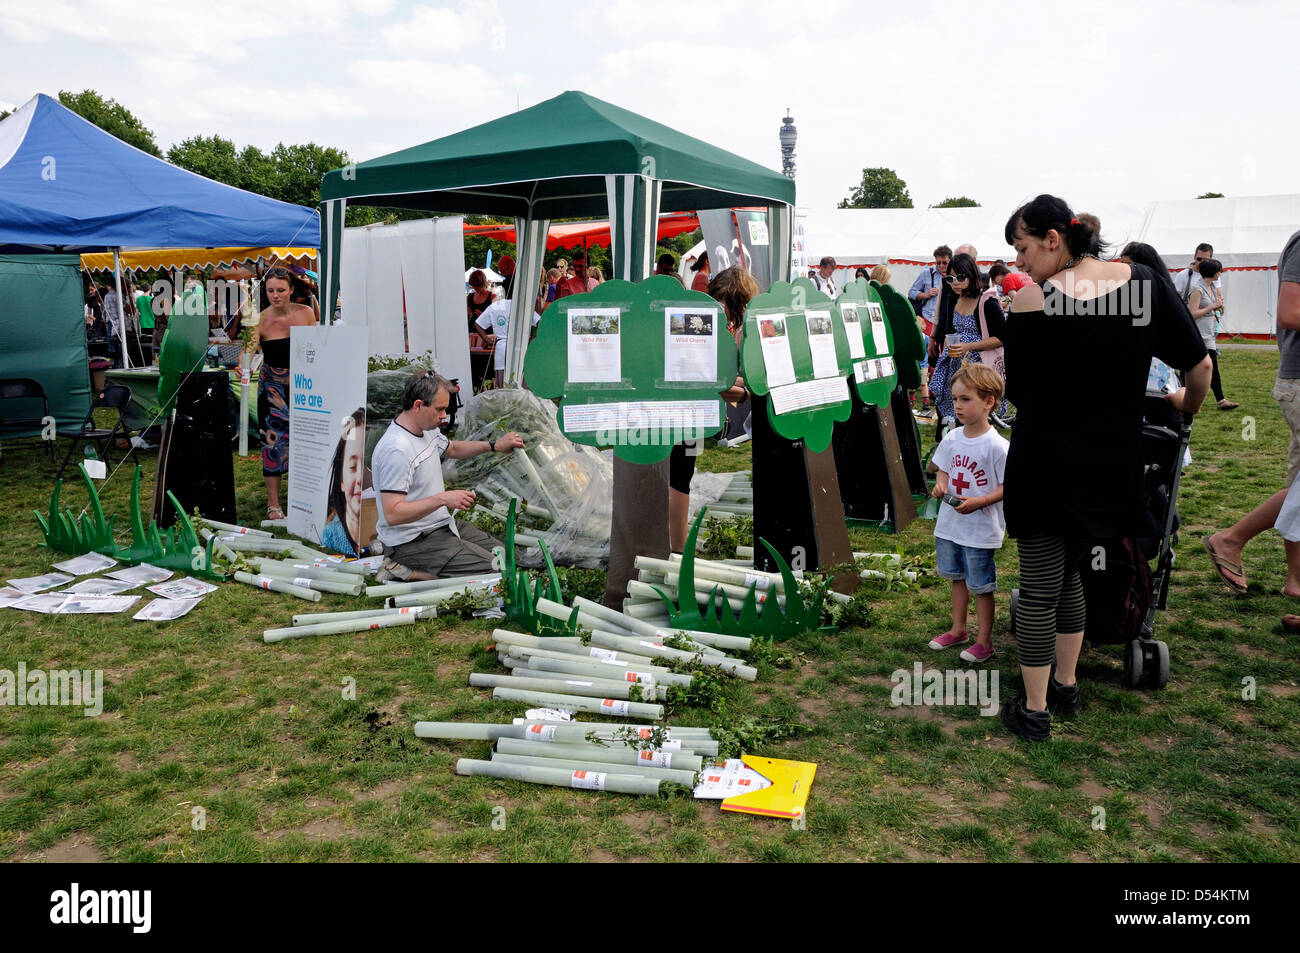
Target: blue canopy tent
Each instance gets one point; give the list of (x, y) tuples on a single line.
[(68, 186)]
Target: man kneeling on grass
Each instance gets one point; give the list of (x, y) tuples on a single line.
[(421, 539)]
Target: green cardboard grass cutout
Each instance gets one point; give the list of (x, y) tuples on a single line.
[(620, 355), (184, 344), (774, 623), (785, 312), (177, 548), (520, 594), (874, 378)]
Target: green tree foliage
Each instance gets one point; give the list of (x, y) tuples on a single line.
[(961, 201), (112, 117), (1211, 195), (879, 188)]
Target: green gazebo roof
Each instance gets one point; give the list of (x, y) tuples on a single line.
[(550, 161)]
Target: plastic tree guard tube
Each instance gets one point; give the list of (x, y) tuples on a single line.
[(315, 618), (573, 685), (673, 775), (614, 707), (589, 752), (609, 677), (332, 584), (428, 585), (526, 652), (235, 528), (277, 585), (295, 569), (559, 777), (437, 596), (729, 665), (337, 628), (660, 676), (222, 550)]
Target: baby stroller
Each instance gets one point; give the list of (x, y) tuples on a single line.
[(1122, 590)]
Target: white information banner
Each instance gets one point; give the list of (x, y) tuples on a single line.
[(805, 394), (680, 416), (821, 342), (690, 344), (595, 355), (774, 338), (327, 387)]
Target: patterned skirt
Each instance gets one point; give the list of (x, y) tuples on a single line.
[(273, 418)]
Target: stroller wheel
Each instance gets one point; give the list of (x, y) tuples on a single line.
[(1133, 664), (1015, 604), (1160, 677)]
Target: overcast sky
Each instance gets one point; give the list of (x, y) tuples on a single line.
[(1097, 102)]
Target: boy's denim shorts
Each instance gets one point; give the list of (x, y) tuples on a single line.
[(974, 565)]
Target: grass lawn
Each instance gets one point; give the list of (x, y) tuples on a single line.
[(203, 722)]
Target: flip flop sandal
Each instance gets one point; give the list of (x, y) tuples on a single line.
[(1223, 567), (274, 513)]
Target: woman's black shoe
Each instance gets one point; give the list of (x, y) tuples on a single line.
[(1062, 699), (1026, 724)]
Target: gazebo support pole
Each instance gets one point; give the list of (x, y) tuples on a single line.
[(121, 310)]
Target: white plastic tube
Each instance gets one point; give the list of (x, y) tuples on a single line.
[(337, 628), (277, 585), (559, 777), (613, 707)]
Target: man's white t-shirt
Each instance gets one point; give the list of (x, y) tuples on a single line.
[(825, 285), (404, 463), (496, 319), (975, 468)]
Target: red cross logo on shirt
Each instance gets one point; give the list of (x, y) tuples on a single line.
[(960, 483)]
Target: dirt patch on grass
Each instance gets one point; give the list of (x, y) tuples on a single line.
[(1091, 789), (388, 789), (78, 849)]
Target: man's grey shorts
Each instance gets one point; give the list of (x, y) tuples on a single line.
[(441, 553)]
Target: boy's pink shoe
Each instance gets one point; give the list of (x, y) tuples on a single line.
[(948, 640), (977, 653)]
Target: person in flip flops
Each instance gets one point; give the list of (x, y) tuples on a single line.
[(1226, 545), (971, 464)]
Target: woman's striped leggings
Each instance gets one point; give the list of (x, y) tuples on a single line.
[(1051, 597)]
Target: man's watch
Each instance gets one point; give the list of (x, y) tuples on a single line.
[(492, 446)]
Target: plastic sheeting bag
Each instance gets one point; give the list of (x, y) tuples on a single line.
[(568, 489)]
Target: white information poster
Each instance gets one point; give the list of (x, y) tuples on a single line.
[(853, 329), (821, 341), (774, 337), (690, 344), (878, 338), (327, 413), (595, 355)]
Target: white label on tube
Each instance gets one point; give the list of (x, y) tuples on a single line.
[(240, 530), (607, 654), (671, 746), (264, 582), (245, 376), (654, 759), (650, 645), (613, 706), (588, 780), (540, 733), (570, 681), (405, 609), (302, 581), (760, 582), (634, 677), (611, 661)]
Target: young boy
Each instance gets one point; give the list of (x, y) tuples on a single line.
[(971, 462)]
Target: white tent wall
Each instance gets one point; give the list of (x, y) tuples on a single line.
[(417, 265), (1247, 233)]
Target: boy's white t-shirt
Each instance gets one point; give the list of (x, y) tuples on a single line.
[(496, 319), (975, 468)]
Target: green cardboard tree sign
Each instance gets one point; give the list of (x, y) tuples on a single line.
[(637, 366), (874, 372), (909, 342), (795, 351)]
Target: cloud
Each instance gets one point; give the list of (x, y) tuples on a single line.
[(433, 30)]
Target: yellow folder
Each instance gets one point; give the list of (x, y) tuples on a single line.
[(785, 797)]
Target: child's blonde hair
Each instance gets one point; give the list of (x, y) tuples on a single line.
[(980, 378)]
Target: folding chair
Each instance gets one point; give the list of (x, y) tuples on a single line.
[(116, 397), (20, 396)]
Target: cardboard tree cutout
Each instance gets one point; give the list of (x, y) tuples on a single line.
[(638, 366)]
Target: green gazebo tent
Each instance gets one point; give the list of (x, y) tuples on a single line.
[(568, 157)]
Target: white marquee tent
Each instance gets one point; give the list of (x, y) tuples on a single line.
[(1247, 233)]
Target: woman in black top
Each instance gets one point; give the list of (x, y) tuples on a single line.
[(1078, 347)]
